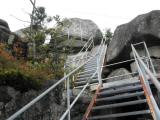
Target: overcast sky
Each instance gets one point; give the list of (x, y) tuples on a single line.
[(105, 13)]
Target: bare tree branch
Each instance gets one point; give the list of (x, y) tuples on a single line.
[(33, 3), (20, 19), (26, 12)]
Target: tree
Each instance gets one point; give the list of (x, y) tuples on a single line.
[(57, 52), (37, 33), (39, 30), (39, 18), (108, 34)]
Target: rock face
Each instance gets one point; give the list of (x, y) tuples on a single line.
[(12, 100), (153, 51), (144, 27), (82, 28), (4, 26), (50, 107), (154, 54), (4, 31), (156, 63), (19, 48), (117, 72)]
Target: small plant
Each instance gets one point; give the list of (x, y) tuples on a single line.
[(23, 75)]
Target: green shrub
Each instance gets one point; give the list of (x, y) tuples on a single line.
[(16, 79)]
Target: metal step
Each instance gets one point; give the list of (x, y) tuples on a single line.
[(120, 83), (86, 78), (84, 82), (122, 96), (120, 104), (81, 86), (85, 75), (89, 68), (87, 71), (120, 115), (121, 90), (92, 63)]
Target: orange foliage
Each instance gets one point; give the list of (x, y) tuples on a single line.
[(5, 54), (39, 72)]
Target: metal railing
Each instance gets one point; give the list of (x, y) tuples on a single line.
[(85, 48), (28, 106), (144, 72)]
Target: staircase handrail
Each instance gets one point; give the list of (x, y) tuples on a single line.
[(86, 85), (146, 87), (85, 45), (153, 78), (75, 100), (83, 56), (35, 100), (47, 91)]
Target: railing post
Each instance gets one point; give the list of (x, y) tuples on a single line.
[(65, 83), (153, 70), (99, 70), (93, 42), (67, 86), (68, 98)]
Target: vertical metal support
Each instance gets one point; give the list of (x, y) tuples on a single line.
[(73, 79), (68, 34), (149, 58), (146, 58), (99, 70), (81, 31), (68, 91), (68, 98), (65, 83), (93, 42), (100, 57), (67, 86)]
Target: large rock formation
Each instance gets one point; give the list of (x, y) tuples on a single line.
[(4, 31), (154, 54), (144, 27), (17, 46), (118, 72), (82, 28)]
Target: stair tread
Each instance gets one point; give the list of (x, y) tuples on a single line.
[(120, 115), (84, 75), (119, 104), (85, 81), (121, 90), (81, 86), (122, 96), (120, 83), (80, 80), (87, 71)]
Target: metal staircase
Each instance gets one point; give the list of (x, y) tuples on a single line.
[(114, 102), (119, 100), (85, 70), (125, 100), (88, 70)]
